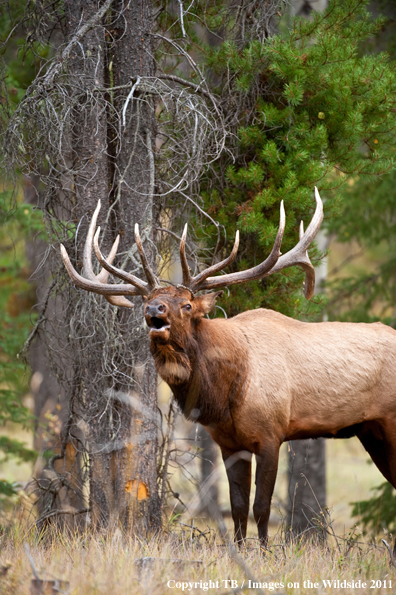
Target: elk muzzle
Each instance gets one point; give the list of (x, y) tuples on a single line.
[(157, 320)]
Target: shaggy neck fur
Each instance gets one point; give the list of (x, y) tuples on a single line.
[(204, 369)]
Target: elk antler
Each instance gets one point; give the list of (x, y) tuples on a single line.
[(274, 263), (107, 264), (151, 278), (298, 255), (183, 259), (134, 286), (192, 283), (98, 283)]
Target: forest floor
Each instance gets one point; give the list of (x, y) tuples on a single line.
[(188, 561), (112, 564)]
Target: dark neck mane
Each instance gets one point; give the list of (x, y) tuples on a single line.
[(204, 374)]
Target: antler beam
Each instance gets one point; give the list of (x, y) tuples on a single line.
[(257, 272), (107, 264), (275, 262), (104, 289)]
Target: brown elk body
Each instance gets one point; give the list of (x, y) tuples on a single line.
[(260, 379)]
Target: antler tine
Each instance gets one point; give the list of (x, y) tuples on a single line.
[(118, 300), (103, 276), (301, 230), (257, 272), (87, 254), (97, 283), (107, 264), (153, 282), (183, 260), (298, 255), (105, 289), (196, 282)]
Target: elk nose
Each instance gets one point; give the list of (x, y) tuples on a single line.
[(155, 309)]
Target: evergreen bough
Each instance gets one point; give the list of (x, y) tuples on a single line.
[(312, 111)]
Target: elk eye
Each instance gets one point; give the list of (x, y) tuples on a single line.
[(187, 307)]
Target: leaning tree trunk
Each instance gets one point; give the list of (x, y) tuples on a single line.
[(115, 381)]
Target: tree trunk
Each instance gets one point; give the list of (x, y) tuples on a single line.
[(133, 185), (116, 165), (307, 484), (209, 460), (50, 404)]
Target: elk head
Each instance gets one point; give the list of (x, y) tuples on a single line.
[(172, 312), (175, 311)]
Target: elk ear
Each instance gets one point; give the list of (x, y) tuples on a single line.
[(207, 302)]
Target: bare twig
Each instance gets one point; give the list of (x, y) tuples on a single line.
[(182, 18), (31, 561), (179, 79), (60, 61), (128, 99), (41, 318), (391, 556)]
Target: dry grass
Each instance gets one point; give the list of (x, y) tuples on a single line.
[(106, 564)]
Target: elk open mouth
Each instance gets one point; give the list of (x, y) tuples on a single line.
[(157, 325)]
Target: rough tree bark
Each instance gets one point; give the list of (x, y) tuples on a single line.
[(87, 144), (50, 399), (118, 169), (132, 180)]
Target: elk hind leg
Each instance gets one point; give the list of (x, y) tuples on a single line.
[(374, 441), (238, 466), (379, 439)]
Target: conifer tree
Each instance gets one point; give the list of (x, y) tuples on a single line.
[(308, 110)]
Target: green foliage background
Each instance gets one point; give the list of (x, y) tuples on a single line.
[(318, 112), (18, 222), (378, 512)]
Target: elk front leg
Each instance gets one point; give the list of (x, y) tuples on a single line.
[(267, 468), (239, 472)]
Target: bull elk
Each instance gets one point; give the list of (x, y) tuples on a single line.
[(260, 378)]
